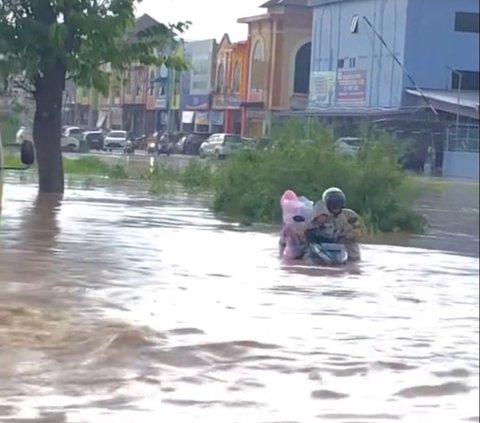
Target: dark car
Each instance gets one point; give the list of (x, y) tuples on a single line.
[(94, 139), (190, 144), (165, 147)]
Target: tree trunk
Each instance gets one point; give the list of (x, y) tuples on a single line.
[(47, 129)]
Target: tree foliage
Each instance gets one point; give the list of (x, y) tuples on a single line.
[(77, 37)]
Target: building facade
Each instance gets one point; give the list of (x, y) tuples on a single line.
[(410, 59), (363, 51), (279, 62), (230, 86), (197, 87)]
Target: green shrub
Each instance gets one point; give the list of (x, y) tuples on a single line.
[(304, 159), (117, 171), (86, 166), (197, 175), (9, 128)]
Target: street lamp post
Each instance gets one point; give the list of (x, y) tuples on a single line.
[(459, 94)]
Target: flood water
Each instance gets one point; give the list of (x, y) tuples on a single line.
[(118, 307)]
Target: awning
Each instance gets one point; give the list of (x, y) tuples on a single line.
[(465, 103)]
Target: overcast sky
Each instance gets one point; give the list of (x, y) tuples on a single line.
[(210, 18)]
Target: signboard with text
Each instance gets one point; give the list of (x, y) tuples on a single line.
[(322, 89), (196, 102), (226, 101), (351, 86)]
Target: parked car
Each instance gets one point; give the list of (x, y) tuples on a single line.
[(264, 144), (348, 145), (171, 136), (94, 139), (115, 140), (165, 147), (72, 131), (68, 143), (190, 144), (221, 146)]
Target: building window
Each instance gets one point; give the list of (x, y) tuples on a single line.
[(220, 78), (128, 83), (467, 22), (259, 67), (354, 24), (470, 80), (236, 78), (341, 63), (352, 62), (152, 83)]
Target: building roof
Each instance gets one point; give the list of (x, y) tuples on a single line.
[(322, 2), (294, 3), (466, 99), (143, 23), (450, 100), (256, 18)]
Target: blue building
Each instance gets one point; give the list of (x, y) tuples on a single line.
[(398, 58)]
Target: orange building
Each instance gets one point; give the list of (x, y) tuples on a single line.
[(279, 62), (230, 87)]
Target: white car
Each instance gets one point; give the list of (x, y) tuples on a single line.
[(115, 139), (221, 145), (72, 131), (348, 145), (67, 142)]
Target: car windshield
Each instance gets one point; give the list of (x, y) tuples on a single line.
[(231, 139), (352, 142), (74, 131), (265, 143), (117, 134)]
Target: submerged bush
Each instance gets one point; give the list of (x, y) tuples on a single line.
[(197, 175), (304, 159)]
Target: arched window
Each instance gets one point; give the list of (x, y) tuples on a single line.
[(259, 51), (257, 77), (220, 78), (237, 74), (152, 83), (128, 82), (301, 82)]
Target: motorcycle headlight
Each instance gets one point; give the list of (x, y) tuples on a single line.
[(151, 145)]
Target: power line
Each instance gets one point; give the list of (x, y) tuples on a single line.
[(425, 99)]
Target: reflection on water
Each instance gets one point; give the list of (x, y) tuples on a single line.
[(116, 307)]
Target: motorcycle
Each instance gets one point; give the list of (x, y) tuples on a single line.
[(325, 252), (164, 148), (129, 148), (152, 148)]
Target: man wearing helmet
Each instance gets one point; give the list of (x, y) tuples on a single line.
[(348, 224)]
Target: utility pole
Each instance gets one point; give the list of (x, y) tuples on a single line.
[(459, 96)]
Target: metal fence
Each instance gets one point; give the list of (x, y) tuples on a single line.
[(463, 138)]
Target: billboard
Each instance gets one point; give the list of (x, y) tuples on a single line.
[(351, 86), (195, 102), (322, 89)]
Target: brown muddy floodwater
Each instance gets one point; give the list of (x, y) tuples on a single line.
[(116, 307)]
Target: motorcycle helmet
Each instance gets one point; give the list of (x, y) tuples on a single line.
[(335, 200)]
